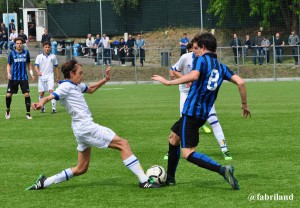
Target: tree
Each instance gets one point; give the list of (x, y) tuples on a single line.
[(119, 4), (288, 9)]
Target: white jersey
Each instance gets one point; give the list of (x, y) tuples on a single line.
[(184, 65), (46, 65)]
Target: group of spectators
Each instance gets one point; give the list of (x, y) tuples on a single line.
[(126, 50), (260, 46)]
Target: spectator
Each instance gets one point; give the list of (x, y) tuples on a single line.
[(183, 43), (248, 45), (278, 43), (265, 43), (122, 51), (106, 49), (259, 50), (12, 26), (22, 35), (3, 40), (96, 49), (89, 44), (294, 41), (46, 36), (235, 43), (140, 44), (130, 45), (13, 35)]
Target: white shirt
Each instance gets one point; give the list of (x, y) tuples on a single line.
[(89, 42), (46, 65), (184, 65), (12, 36), (72, 98), (105, 42)]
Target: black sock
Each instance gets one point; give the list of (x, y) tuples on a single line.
[(174, 155), (8, 102), (204, 161), (28, 104)]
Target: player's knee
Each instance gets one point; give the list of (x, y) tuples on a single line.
[(174, 139), (82, 169), (124, 144)]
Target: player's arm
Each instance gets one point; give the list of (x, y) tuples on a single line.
[(8, 71), (242, 89), (37, 70), (57, 73), (95, 86), (42, 102), (190, 77), (30, 70)]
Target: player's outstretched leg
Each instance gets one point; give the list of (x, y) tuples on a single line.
[(39, 184), (228, 176)]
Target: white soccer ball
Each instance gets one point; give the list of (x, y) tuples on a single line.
[(157, 173)]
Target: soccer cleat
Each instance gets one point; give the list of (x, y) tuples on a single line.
[(228, 176), (149, 184), (28, 116), (43, 110), (170, 181), (39, 184), (227, 155), (7, 114), (166, 157), (206, 129), (53, 111)]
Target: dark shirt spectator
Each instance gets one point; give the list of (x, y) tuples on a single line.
[(130, 43), (46, 36), (12, 25), (235, 43)]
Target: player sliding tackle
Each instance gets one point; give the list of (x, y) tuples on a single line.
[(87, 133), (207, 76)]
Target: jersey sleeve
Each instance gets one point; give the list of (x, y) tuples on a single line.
[(228, 73), (179, 64), (37, 61), (27, 57), (55, 62), (83, 87), (198, 64), (10, 58), (62, 91)]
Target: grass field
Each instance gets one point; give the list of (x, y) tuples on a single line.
[(265, 150)]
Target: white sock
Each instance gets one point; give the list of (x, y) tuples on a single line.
[(218, 132), (60, 177), (53, 101), (134, 165)]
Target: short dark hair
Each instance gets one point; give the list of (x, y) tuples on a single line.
[(189, 46), (18, 38), (208, 41), (69, 66), (46, 43)]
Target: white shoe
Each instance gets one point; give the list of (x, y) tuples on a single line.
[(124, 65), (28, 117), (7, 114)]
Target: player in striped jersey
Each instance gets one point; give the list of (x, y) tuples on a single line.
[(182, 67), (18, 60), (207, 76)]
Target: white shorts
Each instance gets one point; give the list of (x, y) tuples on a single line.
[(46, 85), (93, 135)]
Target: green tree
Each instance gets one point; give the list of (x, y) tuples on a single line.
[(288, 9), (120, 4)]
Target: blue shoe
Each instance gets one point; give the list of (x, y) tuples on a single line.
[(228, 176)]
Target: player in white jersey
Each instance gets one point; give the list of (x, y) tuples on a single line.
[(183, 67), (87, 133), (45, 64)]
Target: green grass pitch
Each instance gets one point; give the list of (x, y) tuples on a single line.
[(265, 150)]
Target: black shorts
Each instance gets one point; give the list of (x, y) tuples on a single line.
[(187, 128), (13, 86)]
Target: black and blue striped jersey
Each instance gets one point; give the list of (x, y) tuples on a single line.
[(204, 91), (18, 63)]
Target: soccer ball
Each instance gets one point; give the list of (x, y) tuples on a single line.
[(157, 173)]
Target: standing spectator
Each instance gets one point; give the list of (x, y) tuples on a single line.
[(122, 51), (130, 45), (18, 61), (183, 43), (106, 49), (235, 43), (89, 44), (45, 65), (259, 50), (46, 36), (140, 44), (293, 41), (265, 43), (12, 26), (96, 49), (278, 43), (248, 45), (25, 39), (3, 40)]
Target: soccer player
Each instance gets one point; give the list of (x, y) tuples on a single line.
[(18, 60), (87, 133), (182, 67), (207, 76), (44, 65)]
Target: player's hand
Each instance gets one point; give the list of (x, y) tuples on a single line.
[(32, 77), (36, 106), (40, 73), (107, 73), (246, 111), (9, 77), (160, 79), (188, 85)]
